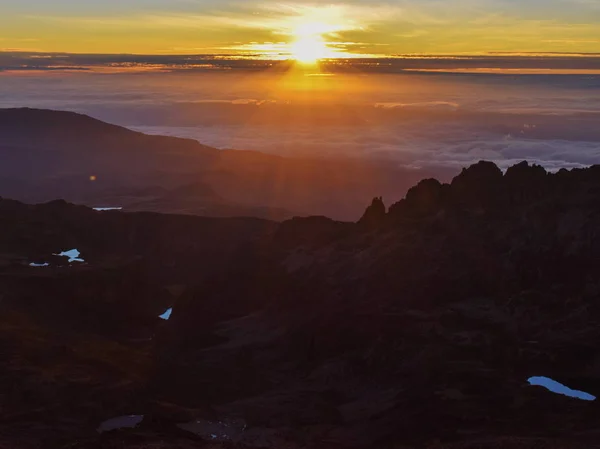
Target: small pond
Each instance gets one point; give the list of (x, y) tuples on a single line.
[(165, 316), (72, 254), (558, 388)]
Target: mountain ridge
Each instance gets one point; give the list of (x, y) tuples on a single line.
[(60, 160)]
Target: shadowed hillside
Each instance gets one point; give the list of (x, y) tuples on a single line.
[(416, 326), (51, 154)]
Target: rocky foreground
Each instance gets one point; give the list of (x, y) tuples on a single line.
[(418, 326)]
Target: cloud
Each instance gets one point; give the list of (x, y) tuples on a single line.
[(411, 150), (250, 59), (416, 120)]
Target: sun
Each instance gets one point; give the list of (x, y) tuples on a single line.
[(309, 45), (309, 50)]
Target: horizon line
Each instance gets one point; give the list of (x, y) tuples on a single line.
[(285, 56)]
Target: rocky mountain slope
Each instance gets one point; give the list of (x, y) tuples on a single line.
[(417, 326)]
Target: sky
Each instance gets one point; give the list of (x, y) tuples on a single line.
[(451, 82), (341, 28)]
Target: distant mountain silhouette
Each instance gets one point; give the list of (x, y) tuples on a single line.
[(52, 154), (44, 123)]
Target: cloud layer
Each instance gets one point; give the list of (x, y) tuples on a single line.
[(582, 63), (415, 120)]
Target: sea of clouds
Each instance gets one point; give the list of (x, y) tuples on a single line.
[(411, 119)]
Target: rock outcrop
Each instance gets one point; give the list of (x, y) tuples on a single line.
[(374, 215)]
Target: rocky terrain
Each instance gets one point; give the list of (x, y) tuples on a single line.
[(416, 326)]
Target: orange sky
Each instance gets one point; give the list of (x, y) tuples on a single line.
[(368, 27)]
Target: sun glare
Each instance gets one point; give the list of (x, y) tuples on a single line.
[(309, 45), (309, 50), (311, 34)]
